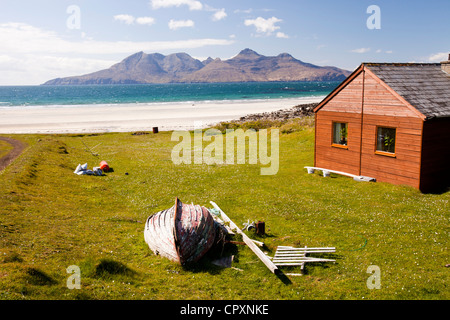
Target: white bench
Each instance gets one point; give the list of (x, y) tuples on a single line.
[(326, 173)]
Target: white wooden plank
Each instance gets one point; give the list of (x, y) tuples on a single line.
[(333, 171), (308, 249), (355, 177), (261, 255), (259, 243), (306, 259)]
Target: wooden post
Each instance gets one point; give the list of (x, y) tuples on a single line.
[(249, 242), (260, 228)]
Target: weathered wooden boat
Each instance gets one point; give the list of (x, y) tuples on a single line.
[(184, 233)]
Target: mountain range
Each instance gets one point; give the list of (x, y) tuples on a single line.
[(247, 66)]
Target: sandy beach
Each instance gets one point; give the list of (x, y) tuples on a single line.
[(133, 117)]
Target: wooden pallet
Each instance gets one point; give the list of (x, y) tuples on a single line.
[(290, 256)]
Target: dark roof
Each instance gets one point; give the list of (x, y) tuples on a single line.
[(424, 85)]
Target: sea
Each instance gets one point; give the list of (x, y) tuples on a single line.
[(41, 96)]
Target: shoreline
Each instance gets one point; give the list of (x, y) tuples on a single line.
[(136, 117)]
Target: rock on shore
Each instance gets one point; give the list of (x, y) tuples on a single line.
[(298, 111)]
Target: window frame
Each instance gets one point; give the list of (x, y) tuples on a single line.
[(338, 145), (381, 152)]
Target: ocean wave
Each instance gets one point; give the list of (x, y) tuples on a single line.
[(291, 101), (156, 95)]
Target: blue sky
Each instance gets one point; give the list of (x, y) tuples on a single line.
[(40, 40)]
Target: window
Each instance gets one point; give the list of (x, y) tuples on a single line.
[(386, 140), (340, 133)]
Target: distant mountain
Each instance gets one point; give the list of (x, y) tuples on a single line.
[(247, 66)]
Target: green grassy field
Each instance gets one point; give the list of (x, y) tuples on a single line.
[(5, 148), (51, 219)]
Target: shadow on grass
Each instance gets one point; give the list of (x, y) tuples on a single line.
[(206, 264), (321, 264), (107, 267), (38, 277), (438, 190)]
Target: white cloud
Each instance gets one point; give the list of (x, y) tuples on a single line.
[(35, 69), (282, 35), (23, 38), (176, 24), (30, 55), (145, 21), (126, 18), (243, 11), (380, 51), (219, 15), (266, 26), (192, 4), (438, 57), (361, 50)]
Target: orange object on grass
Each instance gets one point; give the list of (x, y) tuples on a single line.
[(104, 166)]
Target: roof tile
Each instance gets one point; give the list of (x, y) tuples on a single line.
[(424, 85)]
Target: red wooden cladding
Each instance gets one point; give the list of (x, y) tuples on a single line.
[(419, 155)]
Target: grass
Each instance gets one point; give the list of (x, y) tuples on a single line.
[(285, 125), (5, 148), (51, 218)]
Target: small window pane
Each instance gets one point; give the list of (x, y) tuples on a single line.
[(386, 139), (340, 133)]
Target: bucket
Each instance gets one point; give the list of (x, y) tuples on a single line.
[(155, 129), (104, 166)]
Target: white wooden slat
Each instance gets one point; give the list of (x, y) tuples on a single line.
[(261, 255), (303, 260), (290, 256), (305, 249), (300, 258), (301, 252)]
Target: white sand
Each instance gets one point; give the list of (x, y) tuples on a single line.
[(133, 117)]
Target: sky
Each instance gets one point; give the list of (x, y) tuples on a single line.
[(42, 40)]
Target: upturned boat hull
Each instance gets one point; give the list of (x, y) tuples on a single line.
[(183, 233)]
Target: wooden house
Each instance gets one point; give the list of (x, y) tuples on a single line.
[(389, 121)]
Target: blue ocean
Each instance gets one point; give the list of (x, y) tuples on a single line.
[(12, 96)]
